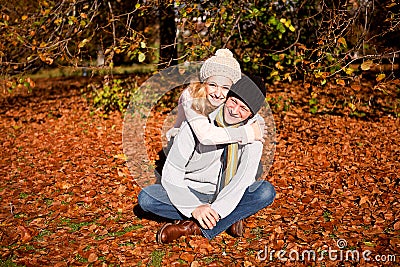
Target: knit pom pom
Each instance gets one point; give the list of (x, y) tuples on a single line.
[(224, 53), (221, 64)]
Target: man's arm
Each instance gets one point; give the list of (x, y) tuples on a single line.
[(173, 173), (230, 195), (209, 134)]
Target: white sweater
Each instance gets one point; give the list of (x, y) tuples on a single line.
[(201, 172)]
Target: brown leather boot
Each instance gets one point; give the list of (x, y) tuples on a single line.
[(170, 231), (236, 229)]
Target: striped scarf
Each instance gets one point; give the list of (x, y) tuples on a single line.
[(230, 154)]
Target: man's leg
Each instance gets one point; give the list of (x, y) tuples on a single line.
[(256, 197), (155, 199)]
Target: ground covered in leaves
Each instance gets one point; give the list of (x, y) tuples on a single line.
[(68, 199)]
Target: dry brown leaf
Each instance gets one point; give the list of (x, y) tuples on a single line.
[(363, 200), (187, 256), (396, 226), (24, 234), (92, 257)]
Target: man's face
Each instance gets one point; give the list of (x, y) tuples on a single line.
[(217, 89), (235, 111)]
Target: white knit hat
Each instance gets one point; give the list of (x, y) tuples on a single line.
[(222, 64)]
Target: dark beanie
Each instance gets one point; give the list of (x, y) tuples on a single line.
[(250, 91)]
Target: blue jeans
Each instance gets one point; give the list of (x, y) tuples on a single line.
[(260, 194)]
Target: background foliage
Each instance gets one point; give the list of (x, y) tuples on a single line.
[(315, 41), (285, 40), (76, 33)]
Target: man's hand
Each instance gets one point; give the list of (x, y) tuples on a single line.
[(206, 216)]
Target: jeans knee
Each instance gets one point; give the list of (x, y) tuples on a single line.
[(267, 193), (144, 200)]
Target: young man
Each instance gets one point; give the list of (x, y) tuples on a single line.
[(210, 188)]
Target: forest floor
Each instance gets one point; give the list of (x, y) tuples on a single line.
[(69, 199)]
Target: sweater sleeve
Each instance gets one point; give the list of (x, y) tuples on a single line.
[(209, 134), (230, 196), (183, 101), (173, 173)]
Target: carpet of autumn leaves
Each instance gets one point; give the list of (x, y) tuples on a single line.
[(68, 198)]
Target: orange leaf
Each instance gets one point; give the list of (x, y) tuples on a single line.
[(341, 82), (186, 256), (363, 200), (24, 233), (92, 257), (396, 226)]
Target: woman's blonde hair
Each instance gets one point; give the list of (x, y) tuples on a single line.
[(200, 103)]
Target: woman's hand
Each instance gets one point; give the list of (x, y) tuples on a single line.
[(259, 130), (206, 216), (171, 133)]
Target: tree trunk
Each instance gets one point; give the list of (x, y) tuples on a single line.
[(168, 51)]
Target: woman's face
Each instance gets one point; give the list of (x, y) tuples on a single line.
[(217, 88)]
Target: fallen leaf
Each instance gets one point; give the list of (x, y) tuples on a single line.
[(396, 226), (92, 257), (363, 200), (24, 234), (187, 256)]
